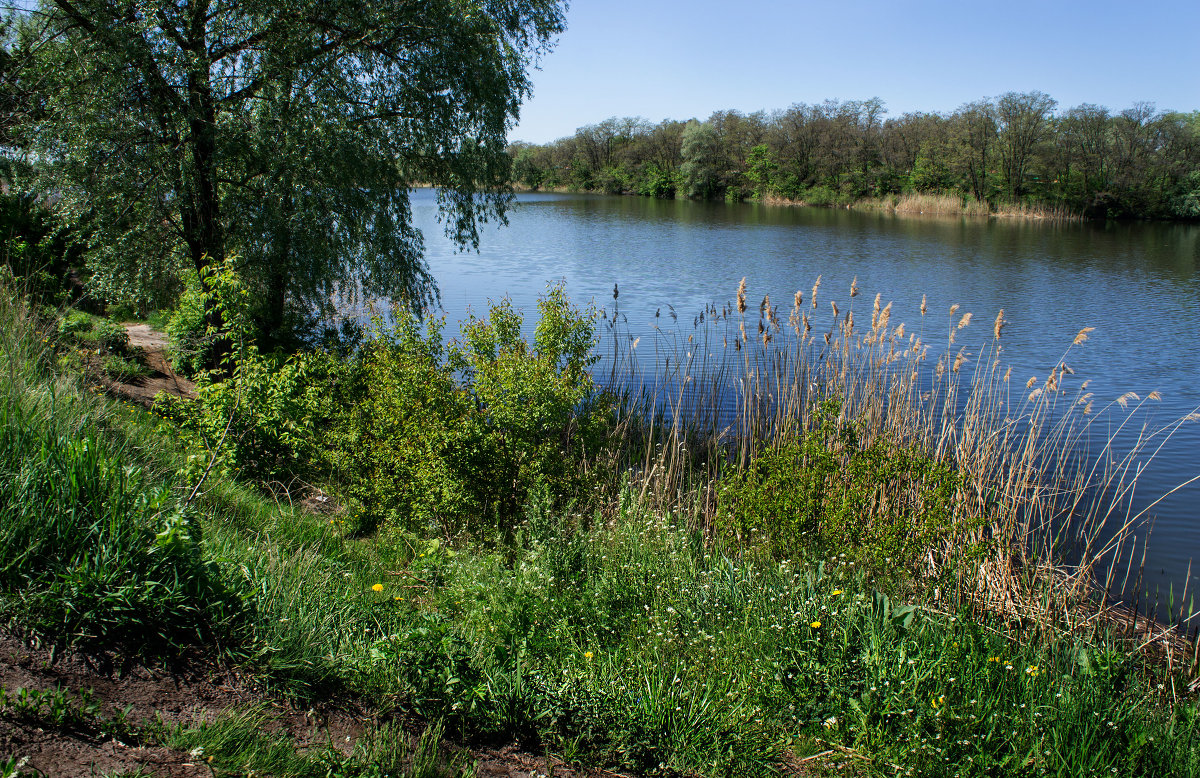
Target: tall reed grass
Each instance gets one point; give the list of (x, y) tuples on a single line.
[(1042, 514)]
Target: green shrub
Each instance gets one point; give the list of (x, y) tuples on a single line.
[(410, 447), (185, 329), (93, 332), (456, 440), (820, 195), (260, 421), (540, 405), (884, 502), (123, 369)]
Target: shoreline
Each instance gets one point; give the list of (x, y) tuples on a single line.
[(912, 205)]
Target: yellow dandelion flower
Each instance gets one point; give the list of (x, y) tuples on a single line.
[(836, 592), (399, 598), (588, 655), (377, 588), (1032, 671), (815, 625)]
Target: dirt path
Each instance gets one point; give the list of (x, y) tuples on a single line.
[(162, 379)]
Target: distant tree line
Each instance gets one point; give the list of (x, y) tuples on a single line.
[(1013, 149)]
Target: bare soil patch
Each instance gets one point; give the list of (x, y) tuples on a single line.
[(188, 692), (151, 344)]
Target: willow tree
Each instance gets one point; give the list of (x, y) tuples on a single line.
[(286, 132)]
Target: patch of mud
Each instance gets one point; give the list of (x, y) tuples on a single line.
[(141, 693)]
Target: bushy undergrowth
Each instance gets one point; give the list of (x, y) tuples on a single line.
[(885, 504), (92, 548), (419, 436)]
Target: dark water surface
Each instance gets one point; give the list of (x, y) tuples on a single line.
[(1137, 285)]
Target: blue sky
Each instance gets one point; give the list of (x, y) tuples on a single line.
[(675, 59)]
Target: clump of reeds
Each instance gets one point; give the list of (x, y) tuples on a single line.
[(1034, 489)]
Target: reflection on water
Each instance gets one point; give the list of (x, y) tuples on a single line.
[(1137, 284)]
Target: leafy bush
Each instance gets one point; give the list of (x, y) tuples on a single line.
[(886, 502), (456, 439), (410, 446), (260, 421), (123, 369), (186, 329), (539, 403), (93, 332)]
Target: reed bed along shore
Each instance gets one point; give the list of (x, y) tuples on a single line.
[(1039, 519)]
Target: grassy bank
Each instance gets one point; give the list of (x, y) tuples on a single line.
[(828, 580)]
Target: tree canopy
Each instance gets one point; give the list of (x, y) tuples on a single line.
[(286, 132)]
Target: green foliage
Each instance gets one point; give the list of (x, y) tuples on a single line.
[(259, 420), (1013, 149), (658, 183), (634, 643), (299, 157), (36, 249), (1186, 202), (186, 327), (249, 742), (816, 492), (702, 162), (538, 399), (123, 369), (761, 170), (453, 442), (410, 447), (93, 332)]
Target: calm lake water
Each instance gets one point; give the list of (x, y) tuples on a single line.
[(1137, 285)]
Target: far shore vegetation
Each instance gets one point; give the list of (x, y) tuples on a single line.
[(1019, 154), (804, 539)]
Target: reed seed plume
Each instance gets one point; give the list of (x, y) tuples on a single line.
[(953, 310), (816, 286), (798, 300), (958, 360), (1083, 335), (1032, 380), (885, 315), (965, 320), (924, 305), (833, 304), (741, 296), (998, 327), (875, 311), (854, 287), (1155, 395), (899, 333)]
